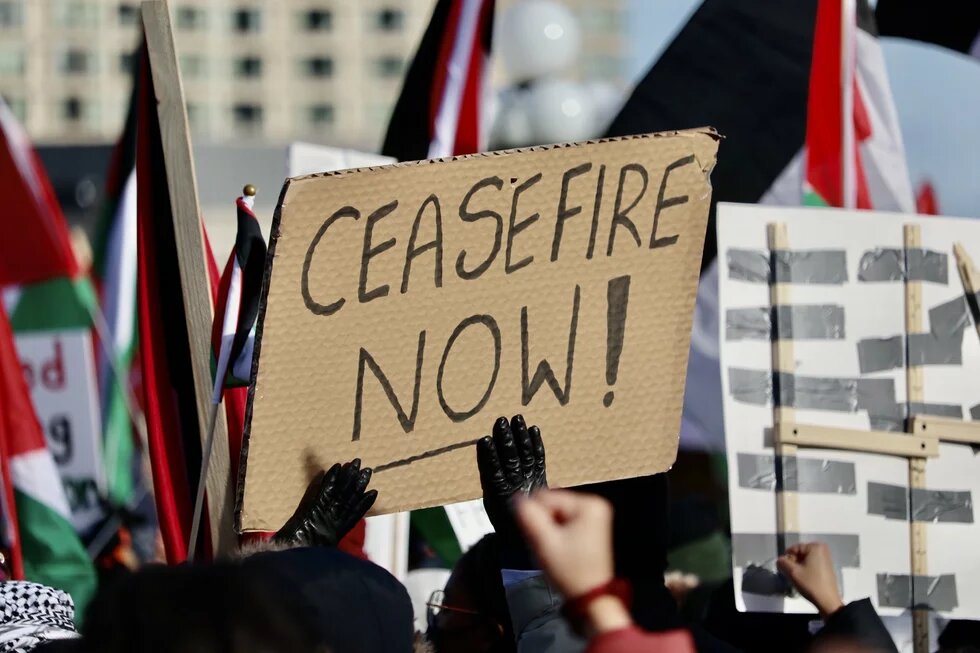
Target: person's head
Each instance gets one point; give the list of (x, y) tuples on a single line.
[(215, 609), (471, 613)]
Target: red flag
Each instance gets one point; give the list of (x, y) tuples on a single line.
[(234, 398), (12, 417), (36, 245), (837, 120)]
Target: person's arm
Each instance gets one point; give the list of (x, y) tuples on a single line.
[(571, 534), (811, 570)]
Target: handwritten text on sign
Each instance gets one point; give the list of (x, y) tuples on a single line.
[(408, 306)]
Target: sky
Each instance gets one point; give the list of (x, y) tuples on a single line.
[(936, 92)]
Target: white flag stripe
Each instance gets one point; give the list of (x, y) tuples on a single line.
[(883, 154), (34, 473), (232, 309), (120, 282), (447, 119)]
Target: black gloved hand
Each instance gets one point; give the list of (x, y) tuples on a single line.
[(510, 462), (331, 507)]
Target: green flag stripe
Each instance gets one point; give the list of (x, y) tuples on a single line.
[(53, 554), (60, 303)]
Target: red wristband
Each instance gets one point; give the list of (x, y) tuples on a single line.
[(575, 609)]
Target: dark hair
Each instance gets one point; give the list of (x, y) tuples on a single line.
[(215, 609)]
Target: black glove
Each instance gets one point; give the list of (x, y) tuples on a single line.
[(331, 507), (510, 462)]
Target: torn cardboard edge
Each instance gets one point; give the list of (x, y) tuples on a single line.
[(706, 131)]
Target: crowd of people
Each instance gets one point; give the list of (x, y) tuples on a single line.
[(565, 570)]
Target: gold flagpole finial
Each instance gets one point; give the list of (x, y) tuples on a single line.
[(249, 190)]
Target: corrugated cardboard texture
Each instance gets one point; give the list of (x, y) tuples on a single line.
[(312, 354)]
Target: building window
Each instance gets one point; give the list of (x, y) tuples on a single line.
[(390, 20), (75, 62), (12, 62), (71, 108), (389, 66), (11, 13), (193, 65), (76, 13), (127, 61), (197, 116), (318, 67), (246, 20), (18, 106), (320, 114), (128, 14), (191, 18), (248, 67), (247, 116), (316, 20)]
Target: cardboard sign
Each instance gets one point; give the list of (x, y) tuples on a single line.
[(59, 368), (408, 306)]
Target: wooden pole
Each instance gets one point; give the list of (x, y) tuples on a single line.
[(188, 231), (968, 275), (917, 466), (787, 502)]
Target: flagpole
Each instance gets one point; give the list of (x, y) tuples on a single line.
[(201, 482), (109, 347)]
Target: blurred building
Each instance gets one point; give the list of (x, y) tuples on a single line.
[(275, 71)]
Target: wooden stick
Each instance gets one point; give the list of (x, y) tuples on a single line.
[(888, 443), (917, 466), (968, 275), (201, 483), (787, 503), (946, 429), (188, 233)]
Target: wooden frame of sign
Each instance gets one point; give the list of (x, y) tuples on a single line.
[(921, 443)]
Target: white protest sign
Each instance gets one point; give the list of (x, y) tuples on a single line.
[(845, 274), (59, 368)]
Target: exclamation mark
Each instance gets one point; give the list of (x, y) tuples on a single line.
[(617, 300)]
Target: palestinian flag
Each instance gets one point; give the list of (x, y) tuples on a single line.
[(760, 85), (46, 548), (237, 307), (167, 377), (114, 267), (440, 110), (853, 156), (35, 246), (169, 399), (754, 57), (51, 303)]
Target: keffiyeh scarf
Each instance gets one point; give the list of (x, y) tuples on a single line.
[(31, 613)]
